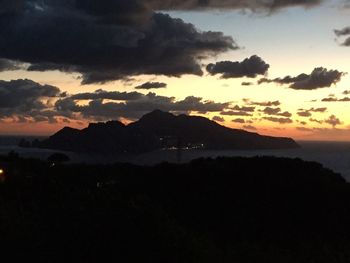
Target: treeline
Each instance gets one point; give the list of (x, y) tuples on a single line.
[(261, 209)]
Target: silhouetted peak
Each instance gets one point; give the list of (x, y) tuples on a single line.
[(108, 124), (67, 130), (157, 115)]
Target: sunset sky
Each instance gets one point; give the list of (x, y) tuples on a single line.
[(276, 67)]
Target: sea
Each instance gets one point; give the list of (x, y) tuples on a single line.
[(332, 155)]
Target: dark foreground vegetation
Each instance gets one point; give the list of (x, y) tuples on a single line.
[(224, 210)]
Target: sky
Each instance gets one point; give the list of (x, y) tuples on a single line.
[(276, 67)]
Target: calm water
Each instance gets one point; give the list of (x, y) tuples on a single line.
[(333, 155)]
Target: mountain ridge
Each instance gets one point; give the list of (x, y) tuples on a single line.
[(159, 130)]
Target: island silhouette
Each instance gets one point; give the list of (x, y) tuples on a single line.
[(160, 130)]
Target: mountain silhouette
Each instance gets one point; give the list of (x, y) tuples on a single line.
[(159, 130)]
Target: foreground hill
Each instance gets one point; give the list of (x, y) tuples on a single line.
[(158, 130), (225, 210)]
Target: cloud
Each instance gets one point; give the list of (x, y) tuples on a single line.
[(218, 119), (235, 113), (318, 78), (308, 112), (255, 5), (276, 112), (278, 120), (109, 95), (238, 120), (24, 98), (243, 108), (333, 120), (249, 127), (262, 104), (105, 40), (135, 107), (8, 65), (304, 113), (250, 67), (24, 93), (28, 101), (152, 85), (333, 99), (245, 83), (315, 120), (302, 122), (343, 32), (321, 110)]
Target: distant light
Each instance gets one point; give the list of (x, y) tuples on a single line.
[(2, 176)]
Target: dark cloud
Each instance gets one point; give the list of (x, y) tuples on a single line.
[(308, 112), (7, 65), (24, 98), (276, 112), (334, 99), (255, 5), (272, 111), (218, 119), (319, 78), (136, 107), (333, 120), (244, 83), (304, 113), (343, 32), (238, 120), (28, 101), (321, 110), (152, 85), (24, 93), (235, 113), (346, 92), (110, 95), (250, 67), (11, 6), (315, 120), (105, 40), (243, 108), (249, 127), (278, 120)]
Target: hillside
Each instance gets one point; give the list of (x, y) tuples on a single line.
[(244, 210)]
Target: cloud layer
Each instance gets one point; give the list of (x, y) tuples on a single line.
[(151, 85), (318, 78), (28, 101), (250, 67), (104, 40), (25, 98)]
